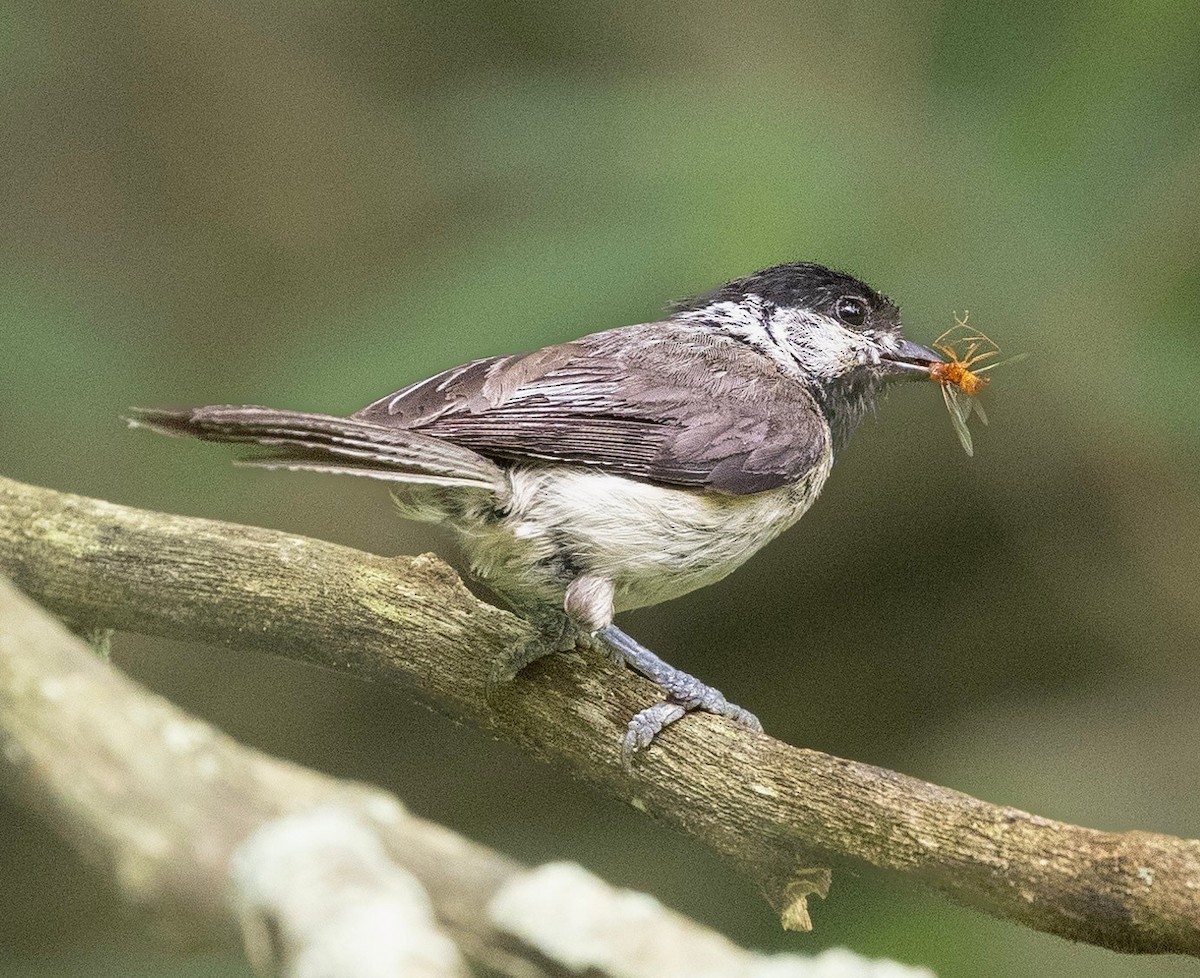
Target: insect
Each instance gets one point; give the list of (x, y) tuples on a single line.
[(960, 378)]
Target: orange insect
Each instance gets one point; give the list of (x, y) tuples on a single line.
[(961, 384)]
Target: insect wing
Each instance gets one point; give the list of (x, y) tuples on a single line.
[(959, 406), (978, 348)]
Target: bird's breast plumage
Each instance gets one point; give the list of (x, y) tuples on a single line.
[(653, 542)]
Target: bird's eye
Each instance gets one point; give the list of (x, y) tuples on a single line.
[(851, 311)]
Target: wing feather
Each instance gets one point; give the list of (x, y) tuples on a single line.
[(649, 402)]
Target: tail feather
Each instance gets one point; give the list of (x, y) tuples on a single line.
[(324, 443)]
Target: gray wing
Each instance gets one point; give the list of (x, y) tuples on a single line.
[(652, 402)]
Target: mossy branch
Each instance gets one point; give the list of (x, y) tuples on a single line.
[(774, 810), (205, 838)]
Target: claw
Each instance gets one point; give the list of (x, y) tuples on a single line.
[(744, 718), (513, 659), (684, 693), (644, 727), (554, 634)]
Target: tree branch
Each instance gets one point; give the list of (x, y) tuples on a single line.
[(323, 877), (765, 805)]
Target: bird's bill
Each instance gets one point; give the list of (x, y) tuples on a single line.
[(911, 360)]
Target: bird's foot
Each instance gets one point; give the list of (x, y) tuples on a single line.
[(684, 693), (554, 632)]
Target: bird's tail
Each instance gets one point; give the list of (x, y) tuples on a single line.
[(324, 443)]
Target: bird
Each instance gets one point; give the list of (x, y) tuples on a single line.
[(620, 469)]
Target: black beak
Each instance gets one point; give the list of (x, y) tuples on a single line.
[(910, 360)]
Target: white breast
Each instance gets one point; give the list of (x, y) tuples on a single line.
[(653, 542)]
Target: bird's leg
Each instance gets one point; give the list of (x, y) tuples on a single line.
[(684, 693), (587, 614)]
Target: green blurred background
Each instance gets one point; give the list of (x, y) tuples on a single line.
[(311, 204)]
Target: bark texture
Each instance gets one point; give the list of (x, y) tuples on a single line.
[(323, 878), (775, 811)]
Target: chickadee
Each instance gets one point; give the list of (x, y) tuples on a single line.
[(623, 468)]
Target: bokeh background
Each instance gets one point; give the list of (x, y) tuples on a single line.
[(310, 204)]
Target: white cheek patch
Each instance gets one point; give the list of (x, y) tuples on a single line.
[(822, 346), (743, 319), (748, 321)]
